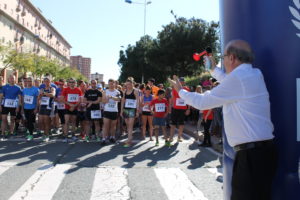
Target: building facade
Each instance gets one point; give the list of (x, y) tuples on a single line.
[(97, 76), (24, 27), (82, 64)]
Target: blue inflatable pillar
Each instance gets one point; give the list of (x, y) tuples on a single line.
[(273, 30)]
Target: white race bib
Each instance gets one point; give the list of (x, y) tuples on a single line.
[(10, 103), (130, 103), (61, 106), (146, 108), (45, 101), (95, 114), (180, 102), (111, 106), (160, 107), (73, 98), (28, 99)]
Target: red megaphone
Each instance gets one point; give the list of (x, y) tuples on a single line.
[(197, 56), (207, 52)]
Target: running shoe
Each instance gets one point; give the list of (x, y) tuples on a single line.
[(156, 143), (74, 138), (65, 140), (179, 140), (29, 137), (87, 138), (103, 142), (98, 139), (47, 139), (167, 143), (112, 140)]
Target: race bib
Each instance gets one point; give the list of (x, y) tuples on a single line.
[(160, 107), (28, 99), (10, 103), (95, 114), (146, 108), (45, 101), (73, 98), (130, 103), (180, 102), (111, 107), (61, 106)]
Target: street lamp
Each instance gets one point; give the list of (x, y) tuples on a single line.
[(145, 9)]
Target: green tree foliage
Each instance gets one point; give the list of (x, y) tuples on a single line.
[(37, 65), (171, 52)]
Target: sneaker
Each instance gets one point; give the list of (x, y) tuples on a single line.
[(179, 140), (167, 143), (74, 138), (126, 145), (103, 142), (156, 143), (65, 140), (87, 139), (29, 137), (112, 140), (151, 139), (98, 139), (47, 139)]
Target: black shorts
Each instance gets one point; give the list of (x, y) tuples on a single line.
[(74, 112), (44, 111), (6, 110), (147, 113), (110, 115), (81, 116), (177, 116), (89, 117)]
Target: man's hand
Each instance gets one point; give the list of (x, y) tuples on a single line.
[(175, 83)]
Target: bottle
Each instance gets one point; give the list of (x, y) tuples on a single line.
[(207, 63)]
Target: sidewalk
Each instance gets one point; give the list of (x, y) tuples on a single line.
[(192, 131)]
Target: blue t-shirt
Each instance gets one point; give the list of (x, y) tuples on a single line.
[(30, 97), (43, 85), (11, 92), (58, 92)]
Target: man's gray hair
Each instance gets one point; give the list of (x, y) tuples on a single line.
[(241, 54)]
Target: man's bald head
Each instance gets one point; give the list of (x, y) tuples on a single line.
[(241, 50)]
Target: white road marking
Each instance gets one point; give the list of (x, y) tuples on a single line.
[(4, 166), (110, 183), (42, 184), (177, 185)]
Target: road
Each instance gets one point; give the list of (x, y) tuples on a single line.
[(81, 171)]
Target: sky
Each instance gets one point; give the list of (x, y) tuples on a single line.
[(99, 28)]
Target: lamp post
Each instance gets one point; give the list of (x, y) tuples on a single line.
[(145, 11)]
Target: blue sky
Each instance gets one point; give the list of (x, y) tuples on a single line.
[(98, 28)]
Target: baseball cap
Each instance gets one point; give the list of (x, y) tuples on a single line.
[(181, 79)]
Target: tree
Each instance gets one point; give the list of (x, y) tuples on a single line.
[(171, 52)]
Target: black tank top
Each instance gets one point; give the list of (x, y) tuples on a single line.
[(50, 98), (130, 96)]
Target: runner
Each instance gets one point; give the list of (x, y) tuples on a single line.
[(93, 98), (154, 89), (146, 112), (82, 119), (30, 106), (159, 108), (111, 97), (60, 105), (71, 99), (46, 98), (11, 94), (129, 109), (178, 112)]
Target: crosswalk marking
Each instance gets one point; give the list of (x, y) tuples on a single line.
[(42, 184), (177, 185), (4, 166), (111, 184)]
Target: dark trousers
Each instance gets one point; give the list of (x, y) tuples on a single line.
[(253, 172), (30, 119), (61, 114), (206, 126)]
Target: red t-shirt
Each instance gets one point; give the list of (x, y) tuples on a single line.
[(179, 103), (210, 116), (71, 95), (160, 107)]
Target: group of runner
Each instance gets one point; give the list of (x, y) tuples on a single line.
[(100, 113)]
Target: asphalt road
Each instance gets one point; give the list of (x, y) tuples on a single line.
[(81, 171)]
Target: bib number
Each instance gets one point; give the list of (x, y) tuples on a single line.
[(160, 107), (10, 103), (28, 99), (111, 107), (45, 101), (95, 114), (130, 103), (180, 102), (61, 106), (146, 108), (73, 98)]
